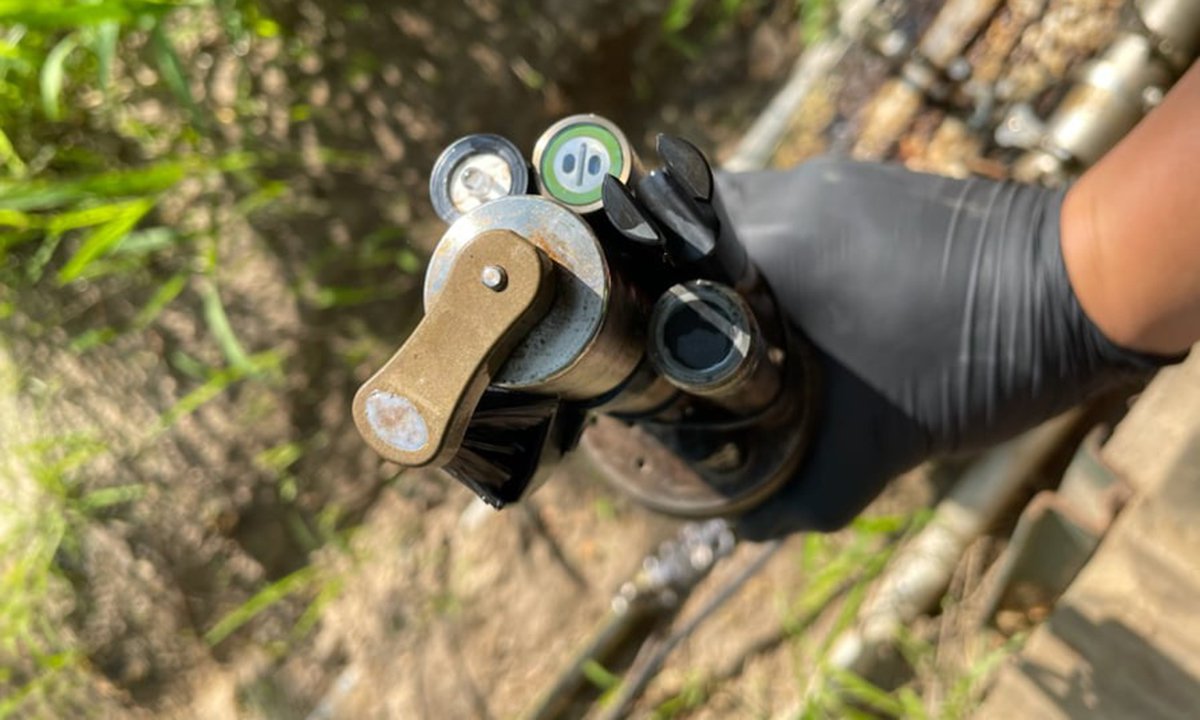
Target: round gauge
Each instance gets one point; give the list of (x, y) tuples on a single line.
[(475, 170), (573, 156)]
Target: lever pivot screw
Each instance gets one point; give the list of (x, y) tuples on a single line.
[(493, 277)]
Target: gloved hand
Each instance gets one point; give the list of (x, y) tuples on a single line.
[(941, 312)]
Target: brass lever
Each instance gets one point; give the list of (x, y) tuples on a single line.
[(414, 411)]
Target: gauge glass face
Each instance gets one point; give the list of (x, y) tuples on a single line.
[(479, 179)]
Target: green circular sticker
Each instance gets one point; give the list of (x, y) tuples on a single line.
[(576, 160)]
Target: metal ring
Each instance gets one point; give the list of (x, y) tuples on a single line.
[(492, 159), (582, 348), (729, 320)]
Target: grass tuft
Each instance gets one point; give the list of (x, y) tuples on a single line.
[(276, 592)]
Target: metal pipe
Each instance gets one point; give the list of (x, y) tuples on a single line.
[(760, 141), (1175, 26), (645, 671), (956, 24), (1112, 94), (666, 579), (899, 101), (919, 573)]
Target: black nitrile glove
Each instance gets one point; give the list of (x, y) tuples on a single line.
[(941, 313)]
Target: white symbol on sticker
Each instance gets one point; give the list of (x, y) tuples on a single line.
[(582, 164)]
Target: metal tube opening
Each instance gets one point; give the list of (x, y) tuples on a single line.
[(697, 343)]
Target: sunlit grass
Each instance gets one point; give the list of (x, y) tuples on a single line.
[(44, 506), (70, 216)]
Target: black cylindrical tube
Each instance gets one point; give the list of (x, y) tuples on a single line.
[(691, 238), (699, 234)]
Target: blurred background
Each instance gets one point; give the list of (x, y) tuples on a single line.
[(214, 220)]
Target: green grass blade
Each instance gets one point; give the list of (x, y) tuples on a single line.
[(107, 497), (867, 693), (59, 14), (42, 14), (263, 599), (679, 15), (816, 20), (36, 265), (93, 337), (215, 385), (149, 312), (328, 298), (105, 47), (881, 524), (141, 181), (87, 217), (222, 331), (110, 496), (278, 458), (51, 78), (35, 195), (30, 195), (913, 708), (329, 592), (10, 158), (160, 300), (18, 220), (103, 239), (599, 675), (170, 68), (211, 388), (144, 242)]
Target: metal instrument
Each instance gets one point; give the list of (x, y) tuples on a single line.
[(619, 306)]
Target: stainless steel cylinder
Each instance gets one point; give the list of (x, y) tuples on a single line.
[(705, 340), (590, 340), (1112, 94), (1176, 27)]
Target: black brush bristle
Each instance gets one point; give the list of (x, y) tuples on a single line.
[(503, 443)]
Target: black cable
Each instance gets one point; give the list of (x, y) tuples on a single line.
[(633, 686)]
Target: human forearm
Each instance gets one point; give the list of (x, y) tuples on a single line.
[(1131, 230)]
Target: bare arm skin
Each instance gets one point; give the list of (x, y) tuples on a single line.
[(1131, 230)]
